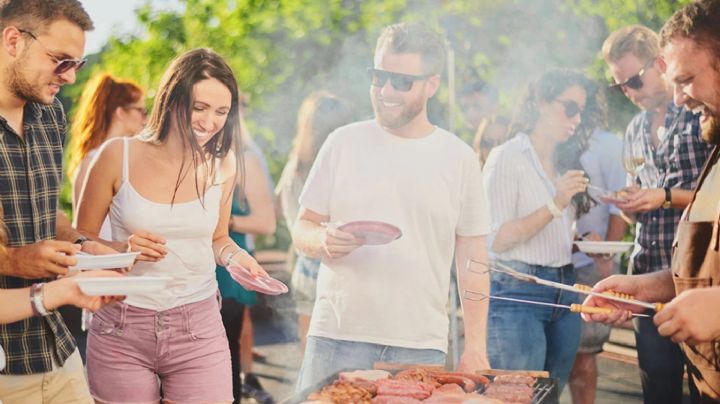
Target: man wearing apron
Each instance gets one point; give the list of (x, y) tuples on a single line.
[(691, 48)]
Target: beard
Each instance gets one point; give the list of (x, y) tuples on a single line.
[(394, 121), (19, 85), (710, 130)]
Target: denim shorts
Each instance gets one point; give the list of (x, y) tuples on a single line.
[(523, 336), (131, 351), (326, 356)]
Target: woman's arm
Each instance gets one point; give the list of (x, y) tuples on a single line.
[(261, 219), (15, 303), (103, 180), (226, 251)]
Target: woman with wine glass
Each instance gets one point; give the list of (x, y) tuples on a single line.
[(536, 189)]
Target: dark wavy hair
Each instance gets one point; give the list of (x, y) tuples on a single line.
[(566, 157), (174, 102)]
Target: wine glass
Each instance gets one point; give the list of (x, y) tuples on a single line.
[(633, 158)]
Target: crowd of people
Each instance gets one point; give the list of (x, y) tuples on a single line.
[(518, 197)]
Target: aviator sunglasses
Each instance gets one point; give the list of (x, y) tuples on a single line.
[(571, 108), (399, 81), (63, 65), (635, 82)]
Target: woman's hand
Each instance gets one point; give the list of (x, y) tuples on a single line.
[(245, 260), (151, 246), (571, 183), (66, 291)]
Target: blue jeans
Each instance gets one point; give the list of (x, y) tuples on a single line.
[(532, 337), (662, 365), (325, 357)]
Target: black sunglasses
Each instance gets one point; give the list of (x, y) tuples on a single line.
[(635, 82), (571, 108), (63, 65), (399, 81)]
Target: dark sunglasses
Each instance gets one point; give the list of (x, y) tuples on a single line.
[(399, 81), (571, 108), (63, 65), (635, 82)]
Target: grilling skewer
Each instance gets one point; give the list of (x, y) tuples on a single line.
[(577, 288), (575, 308)]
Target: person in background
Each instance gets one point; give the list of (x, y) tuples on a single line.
[(664, 154), (108, 108), (178, 219), (43, 42), (252, 213), (536, 190), (320, 114), (602, 163), (690, 42), (490, 133), (478, 102), (435, 199)]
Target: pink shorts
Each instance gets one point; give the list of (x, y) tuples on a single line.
[(131, 351)]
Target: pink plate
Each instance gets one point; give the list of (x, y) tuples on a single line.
[(263, 284), (375, 233)]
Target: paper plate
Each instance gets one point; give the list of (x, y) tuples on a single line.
[(127, 285), (109, 261), (262, 284), (604, 247), (375, 233)]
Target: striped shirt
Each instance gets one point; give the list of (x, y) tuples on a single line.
[(30, 179), (676, 162), (516, 185)]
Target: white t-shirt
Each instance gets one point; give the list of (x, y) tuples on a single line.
[(431, 188)]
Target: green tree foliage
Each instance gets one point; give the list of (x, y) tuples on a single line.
[(282, 50)]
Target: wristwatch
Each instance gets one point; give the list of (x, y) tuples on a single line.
[(668, 199), (81, 240)]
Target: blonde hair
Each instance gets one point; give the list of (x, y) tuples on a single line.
[(638, 40)]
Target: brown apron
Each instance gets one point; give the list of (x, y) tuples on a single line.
[(696, 264)]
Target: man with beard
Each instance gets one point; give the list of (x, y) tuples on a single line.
[(42, 45), (388, 302), (664, 155), (691, 50)]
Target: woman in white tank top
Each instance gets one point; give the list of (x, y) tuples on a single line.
[(168, 195)]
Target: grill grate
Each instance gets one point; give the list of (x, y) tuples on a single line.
[(544, 392)]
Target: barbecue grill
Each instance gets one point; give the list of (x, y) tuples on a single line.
[(545, 390)]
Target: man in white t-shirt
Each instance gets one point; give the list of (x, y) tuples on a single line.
[(389, 302)]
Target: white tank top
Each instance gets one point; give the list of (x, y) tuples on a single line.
[(188, 230)]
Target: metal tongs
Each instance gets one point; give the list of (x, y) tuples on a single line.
[(577, 288), (575, 308)]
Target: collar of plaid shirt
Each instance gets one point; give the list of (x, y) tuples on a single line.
[(30, 180)]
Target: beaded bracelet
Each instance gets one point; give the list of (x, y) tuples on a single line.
[(232, 254)]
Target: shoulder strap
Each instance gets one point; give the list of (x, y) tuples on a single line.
[(125, 168)]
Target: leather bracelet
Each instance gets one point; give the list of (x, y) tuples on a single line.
[(554, 209), (36, 300)]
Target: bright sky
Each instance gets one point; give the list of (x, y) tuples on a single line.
[(115, 17)]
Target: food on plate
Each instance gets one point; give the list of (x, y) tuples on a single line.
[(370, 375)]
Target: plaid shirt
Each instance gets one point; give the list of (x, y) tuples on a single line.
[(30, 179), (676, 162)]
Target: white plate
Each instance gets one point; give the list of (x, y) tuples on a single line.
[(128, 285), (604, 247), (109, 261)]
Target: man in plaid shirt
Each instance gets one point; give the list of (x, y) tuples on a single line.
[(664, 155), (42, 45)]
